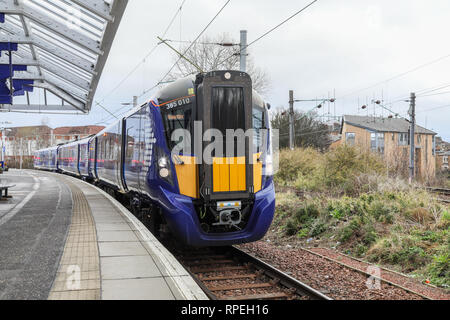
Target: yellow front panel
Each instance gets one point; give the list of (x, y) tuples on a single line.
[(229, 174), (234, 175), (187, 175), (224, 176), (217, 163), (257, 172), (237, 174)]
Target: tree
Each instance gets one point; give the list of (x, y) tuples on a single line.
[(309, 132), (209, 55)]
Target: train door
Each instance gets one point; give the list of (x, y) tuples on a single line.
[(131, 161), (226, 104)]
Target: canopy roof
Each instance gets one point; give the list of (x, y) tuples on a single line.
[(54, 51)]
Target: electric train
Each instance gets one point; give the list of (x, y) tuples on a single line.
[(222, 199)]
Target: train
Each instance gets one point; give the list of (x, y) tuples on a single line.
[(224, 200)]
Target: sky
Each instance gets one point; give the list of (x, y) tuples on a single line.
[(361, 50)]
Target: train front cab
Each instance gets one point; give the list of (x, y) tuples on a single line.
[(230, 199)]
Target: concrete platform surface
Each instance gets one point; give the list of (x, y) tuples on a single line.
[(64, 239)]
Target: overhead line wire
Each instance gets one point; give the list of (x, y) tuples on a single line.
[(189, 48), (142, 60), (273, 29)]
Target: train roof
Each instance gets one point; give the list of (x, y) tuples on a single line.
[(48, 149), (183, 87)]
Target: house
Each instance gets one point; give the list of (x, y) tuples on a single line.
[(442, 160), (67, 134), (390, 138), (442, 145), (20, 143)]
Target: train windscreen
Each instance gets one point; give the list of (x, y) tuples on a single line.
[(228, 112), (174, 119)]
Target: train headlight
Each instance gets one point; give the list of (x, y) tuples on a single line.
[(164, 173), (163, 166), (163, 163)]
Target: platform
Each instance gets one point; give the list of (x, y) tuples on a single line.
[(64, 239)]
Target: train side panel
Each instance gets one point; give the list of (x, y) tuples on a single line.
[(93, 158), (46, 159), (109, 146), (135, 150), (84, 158), (68, 157)]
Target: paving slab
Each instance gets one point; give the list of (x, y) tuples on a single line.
[(128, 267), (116, 236), (137, 289), (117, 249)]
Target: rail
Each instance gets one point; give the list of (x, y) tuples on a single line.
[(232, 274)]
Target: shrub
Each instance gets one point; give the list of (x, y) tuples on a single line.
[(345, 163), (301, 219), (439, 270), (404, 251), (380, 211), (295, 163)]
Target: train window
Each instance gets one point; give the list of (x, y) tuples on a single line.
[(228, 109), (258, 126), (228, 112), (175, 119)]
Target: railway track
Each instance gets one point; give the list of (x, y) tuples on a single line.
[(231, 274), (442, 192)]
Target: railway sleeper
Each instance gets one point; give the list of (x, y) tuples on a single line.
[(210, 262), (263, 296), (220, 269), (242, 286), (231, 277)]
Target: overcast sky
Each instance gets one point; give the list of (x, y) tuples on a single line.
[(335, 45)]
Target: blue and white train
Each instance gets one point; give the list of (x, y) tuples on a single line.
[(228, 201)]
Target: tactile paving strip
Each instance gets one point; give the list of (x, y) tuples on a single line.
[(78, 277)]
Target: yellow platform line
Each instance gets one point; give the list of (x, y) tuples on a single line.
[(80, 260)]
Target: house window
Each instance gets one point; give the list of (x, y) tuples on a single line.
[(380, 142), (373, 141), (350, 138), (419, 138), (402, 139), (377, 142), (434, 145)]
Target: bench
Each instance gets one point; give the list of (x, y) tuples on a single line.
[(5, 187)]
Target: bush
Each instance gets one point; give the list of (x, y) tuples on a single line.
[(346, 164), (295, 163), (381, 212), (439, 270), (404, 251), (344, 169), (301, 219)]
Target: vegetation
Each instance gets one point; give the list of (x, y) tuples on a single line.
[(348, 201), (342, 170), (313, 133), (209, 56)]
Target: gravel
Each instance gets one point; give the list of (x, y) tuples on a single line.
[(394, 277), (331, 278)]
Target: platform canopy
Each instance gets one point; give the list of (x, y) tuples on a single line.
[(52, 52)]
